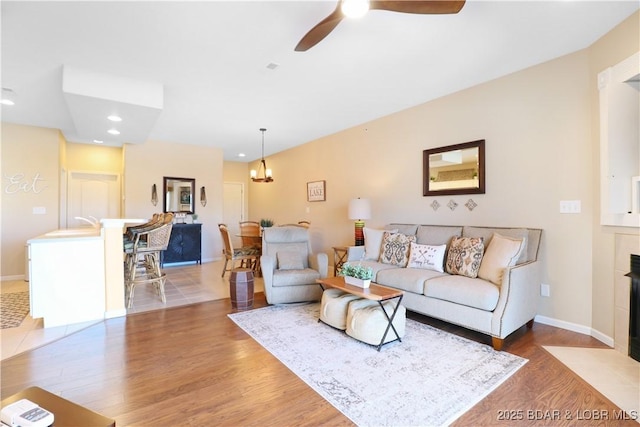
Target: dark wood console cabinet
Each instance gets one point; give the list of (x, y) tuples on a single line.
[(185, 244)]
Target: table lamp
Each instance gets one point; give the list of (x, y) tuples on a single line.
[(359, 209)]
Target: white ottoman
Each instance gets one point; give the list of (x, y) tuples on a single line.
[(366, 322), (333, 308)]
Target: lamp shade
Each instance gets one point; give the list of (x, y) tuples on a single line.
[(359, 209)]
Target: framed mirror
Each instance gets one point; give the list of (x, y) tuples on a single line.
[(455, 169), (179, 195)]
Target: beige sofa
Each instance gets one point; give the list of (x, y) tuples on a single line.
[(498, 304)]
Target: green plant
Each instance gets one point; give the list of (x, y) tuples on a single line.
[(266, 222), (358, 271), (194, 217)]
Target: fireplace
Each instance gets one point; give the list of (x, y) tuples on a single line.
[(634, 308)]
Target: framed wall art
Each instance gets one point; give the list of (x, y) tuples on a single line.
[(316, 191)]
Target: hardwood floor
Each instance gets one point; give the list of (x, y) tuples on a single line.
[(192, 366)]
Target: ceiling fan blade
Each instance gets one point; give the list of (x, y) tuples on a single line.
[(418, 6), (321, 30)]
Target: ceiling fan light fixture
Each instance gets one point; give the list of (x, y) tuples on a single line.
[(355, 8)]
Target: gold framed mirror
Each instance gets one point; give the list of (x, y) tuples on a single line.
[(179, 195), (454, 169)]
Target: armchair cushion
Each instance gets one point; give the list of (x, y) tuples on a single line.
[(301, 277), (289, 260)]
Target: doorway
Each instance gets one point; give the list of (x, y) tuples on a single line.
[(233, 209), (92, 195)]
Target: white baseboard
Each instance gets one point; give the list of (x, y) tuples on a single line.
[(14, 277), (574, 327)]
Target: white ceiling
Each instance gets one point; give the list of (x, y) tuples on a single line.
[(212, 57)]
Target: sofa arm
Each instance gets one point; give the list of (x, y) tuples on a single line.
[(355, 253), (518, 301), (320, 263)]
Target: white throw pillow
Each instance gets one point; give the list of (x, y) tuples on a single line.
[(372, 243), (501, 253), (427, 257)]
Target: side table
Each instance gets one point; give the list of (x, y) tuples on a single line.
[(339, 258)]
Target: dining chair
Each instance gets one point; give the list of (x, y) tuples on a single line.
[(247, 255), (250, 233)]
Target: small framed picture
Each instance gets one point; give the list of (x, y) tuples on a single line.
[(316, 191)]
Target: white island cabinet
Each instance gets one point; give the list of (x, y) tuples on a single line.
[(67, 276)]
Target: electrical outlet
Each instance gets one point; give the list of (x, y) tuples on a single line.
[(545, 290)]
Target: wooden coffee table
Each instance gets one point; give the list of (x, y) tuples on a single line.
[(374, 292)]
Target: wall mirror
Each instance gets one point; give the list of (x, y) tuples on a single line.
[(455, 169), (179, 194)]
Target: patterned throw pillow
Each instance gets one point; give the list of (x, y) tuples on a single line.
[(465, 256), (395, 248), (427, 257)]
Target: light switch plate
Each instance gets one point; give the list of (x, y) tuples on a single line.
[(570, 206)]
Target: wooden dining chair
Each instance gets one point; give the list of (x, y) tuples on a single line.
[(247, 255), (250, 233)]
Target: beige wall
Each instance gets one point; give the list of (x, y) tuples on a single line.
[(29, 152), (540, 149), (620, 43), (146, 164)]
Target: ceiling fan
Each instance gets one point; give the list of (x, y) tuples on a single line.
[(345, 8)]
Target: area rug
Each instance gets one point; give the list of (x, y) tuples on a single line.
[(429, 379), (14, 307)]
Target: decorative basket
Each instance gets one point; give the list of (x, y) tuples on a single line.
[(357, 282)]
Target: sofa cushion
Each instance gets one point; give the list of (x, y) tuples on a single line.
[(437, 234), (501, 253), (305, 276), (395, 248), (289, 260), (406, 279), (373, 242), (487, 233), (465, 255), (463, 290), (408, 229), (376, 267), (428, 257)]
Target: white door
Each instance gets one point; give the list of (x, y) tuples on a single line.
[(233, 209), (94, 195)]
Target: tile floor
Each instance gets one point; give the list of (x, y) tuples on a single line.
[(186, 284), (613, 374)]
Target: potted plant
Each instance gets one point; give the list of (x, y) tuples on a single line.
[(356, 274), (266, 223), (194, 218)]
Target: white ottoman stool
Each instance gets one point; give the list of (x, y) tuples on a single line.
[(366, 322), (333, 308)]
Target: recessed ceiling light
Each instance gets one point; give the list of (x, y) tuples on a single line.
[(114, 118), (97, 141), (241, 154), (114, 131)]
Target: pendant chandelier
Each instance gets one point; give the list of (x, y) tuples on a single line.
[(262, 174)]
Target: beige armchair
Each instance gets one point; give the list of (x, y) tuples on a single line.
[(289, 268)]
